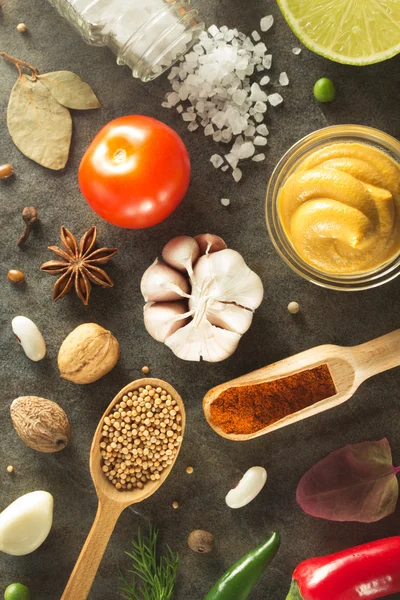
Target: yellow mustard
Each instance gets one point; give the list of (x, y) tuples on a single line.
[(340, 209)]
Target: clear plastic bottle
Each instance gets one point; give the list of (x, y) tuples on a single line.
[(147, 35)]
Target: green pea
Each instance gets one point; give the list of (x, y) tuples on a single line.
[(324, 90), (17, 591)]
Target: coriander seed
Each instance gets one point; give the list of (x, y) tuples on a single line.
[(22, 28), (6, 171), (145, 369), (10, 469), (15, 276), (293, 308)]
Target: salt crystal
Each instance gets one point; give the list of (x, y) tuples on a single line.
[(173, 98), (259, 117), (260, 141), (198, 48), (208, 130), (193, 126), (183, 93), (188, 116), (296, 51), (219, 119), (179, 109), (256, 36), (260, 49), (237, 174), (213, 30), (257, 93), (217, 136), (165, 105), (239, 96), (249, 131), (265, 80), (260, 68), (283, 79), (262, 129), (275, 99), (225, 201), (260, 107), (267, 61), (216, 160), (225, 168), (258, 157), (232, 160), (246, 150), (266, 23)]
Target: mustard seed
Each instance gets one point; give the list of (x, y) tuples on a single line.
[(175, 505), (10, 469), (189, 470), (22, 28)]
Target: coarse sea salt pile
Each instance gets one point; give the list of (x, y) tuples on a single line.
[(213, 89)]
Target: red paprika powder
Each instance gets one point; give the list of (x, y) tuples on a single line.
[(249, 408)]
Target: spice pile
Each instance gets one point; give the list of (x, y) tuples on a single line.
[(141, 438), (215, 80), (249, 408)]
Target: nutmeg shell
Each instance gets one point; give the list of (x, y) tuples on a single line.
[(88, 353), (41, 424)]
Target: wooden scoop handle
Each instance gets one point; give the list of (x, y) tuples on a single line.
[(82, 577), (376, 356)]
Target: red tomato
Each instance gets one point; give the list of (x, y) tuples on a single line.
[(135, 172)]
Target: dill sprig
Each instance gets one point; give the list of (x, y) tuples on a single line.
[(153, 578)]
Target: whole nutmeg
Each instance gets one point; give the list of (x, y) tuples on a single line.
[(88, 353), (41, 424), (201, 541)]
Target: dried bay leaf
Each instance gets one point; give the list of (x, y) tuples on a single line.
[(69, 90), (39, 126), (355, 483)]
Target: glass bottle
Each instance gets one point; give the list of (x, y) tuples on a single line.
[(147, 35)]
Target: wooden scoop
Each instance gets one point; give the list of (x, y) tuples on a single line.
[(348, 367), (111, 501)]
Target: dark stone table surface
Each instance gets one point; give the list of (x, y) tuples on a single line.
[(365, 95)]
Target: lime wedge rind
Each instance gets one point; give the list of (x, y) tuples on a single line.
[(366, 30)]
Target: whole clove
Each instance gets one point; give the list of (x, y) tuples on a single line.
[(30, 218)]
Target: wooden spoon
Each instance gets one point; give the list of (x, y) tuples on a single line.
[(111, 501), (348, 367)]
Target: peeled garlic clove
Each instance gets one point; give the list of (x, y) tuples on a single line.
[(181, 253), (213, 344), (162, 319), (29, 337), (161, 283), (209, 243), (26, 523), (229, 316), (248, 488)]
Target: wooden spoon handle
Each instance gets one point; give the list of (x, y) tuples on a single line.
[(376, 356), (82, 577)]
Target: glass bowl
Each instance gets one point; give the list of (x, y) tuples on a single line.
[(286, 166)]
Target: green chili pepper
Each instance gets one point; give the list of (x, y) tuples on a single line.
[(240, 579)]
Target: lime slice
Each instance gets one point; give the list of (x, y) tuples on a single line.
[(355, 32)]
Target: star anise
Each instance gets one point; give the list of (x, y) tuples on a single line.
[(79, 266)]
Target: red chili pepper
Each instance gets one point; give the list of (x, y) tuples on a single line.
[(370, 571)]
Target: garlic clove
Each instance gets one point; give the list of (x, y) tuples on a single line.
[(181, 253), (248, 488), (29, 337), (26, 523), (209, 243), (203, 341), (162, 319), (232, 279), (161, 283), (229, 316)]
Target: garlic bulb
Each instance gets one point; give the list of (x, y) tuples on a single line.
[(204, 315), (26, 523)]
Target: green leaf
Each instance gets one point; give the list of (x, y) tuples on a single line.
[(39, 126), (69, 90), (355, 483)]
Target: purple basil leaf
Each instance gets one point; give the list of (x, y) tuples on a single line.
[(355, 483)]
